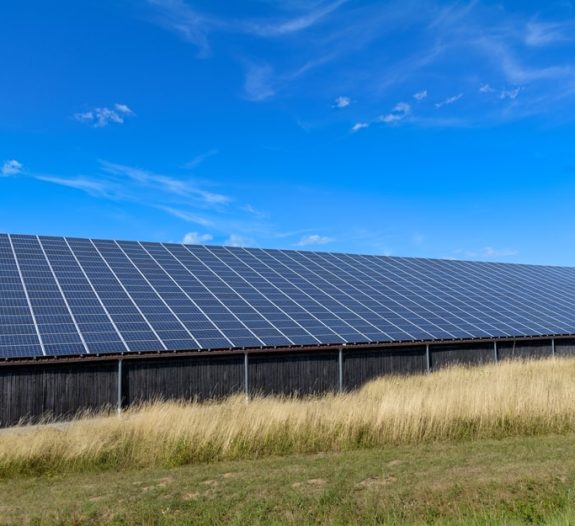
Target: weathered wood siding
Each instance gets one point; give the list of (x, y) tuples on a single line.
[(362, 365), (59, 390), (524, 349), (190, 378), (293, 373), (445, 355), (564, 347)]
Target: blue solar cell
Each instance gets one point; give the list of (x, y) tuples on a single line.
[(217, 297)]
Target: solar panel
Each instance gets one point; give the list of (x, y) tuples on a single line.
[(69, 296)]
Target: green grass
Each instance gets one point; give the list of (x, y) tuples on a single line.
[(522, 480)]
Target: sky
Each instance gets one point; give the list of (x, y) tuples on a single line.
[(406, 128)]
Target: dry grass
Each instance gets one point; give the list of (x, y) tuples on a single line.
[(508, 399)]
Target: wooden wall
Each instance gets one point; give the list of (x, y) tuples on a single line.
[(362, 365), (293, 373), (61, 390), (472, 354), (201, 378), (55, 390)]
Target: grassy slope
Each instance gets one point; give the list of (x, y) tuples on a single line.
[(511, 481), (494, 401)]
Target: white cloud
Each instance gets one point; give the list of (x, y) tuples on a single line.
[(165, 183), (258, 83), (199, 159), (122, 108), (11, 167), (293, 25), (91, 186), (314, 239), (399, 112), (178, 17), (342, 102), (194, 238), (101, 117), (485, 88), (543, 34), (190, 217), (236, 241), (359, 126), (420, 95), (509, 94), (449, 100)]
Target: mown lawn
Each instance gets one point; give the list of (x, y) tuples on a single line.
[(527, 480)]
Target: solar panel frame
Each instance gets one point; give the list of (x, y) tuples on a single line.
[(71, 296)]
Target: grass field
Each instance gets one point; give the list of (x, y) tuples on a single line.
[(511, 481), (474, 445)]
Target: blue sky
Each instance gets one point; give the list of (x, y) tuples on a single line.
[(415, 128)]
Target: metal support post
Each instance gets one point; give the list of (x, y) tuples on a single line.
[(246, 377), (119, 385), (340, 364), (428, 358)]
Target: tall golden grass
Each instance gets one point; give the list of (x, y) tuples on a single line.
[(512, 398)]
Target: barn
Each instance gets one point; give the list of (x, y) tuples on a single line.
[(91, 324)]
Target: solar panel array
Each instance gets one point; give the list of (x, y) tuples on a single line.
[(69, 296)]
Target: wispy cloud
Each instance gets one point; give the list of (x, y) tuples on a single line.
[(451, 44), (187, 216), (179, 17), (510, 93), (235, 240), (86, 184), (168, 184), (359, 126), (101, 117), (194, 238), (400, 111), (420, 95), (195, 27), (293, 25), (540, 34), (342, 102), (200, 159), (449, 100), (258, 85), (11, 167), (314, 239)]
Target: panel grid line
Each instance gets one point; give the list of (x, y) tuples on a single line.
[(216, 298), (248, 303), (380, 316), (159, 296), (63, 295), (129, 296), (474, 277), (27, 296), (306, 294), (541, 291), (336, 300), (272, 302), (380, 303), (113, 323), (185, 293), (75, 296), (357, 260)]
